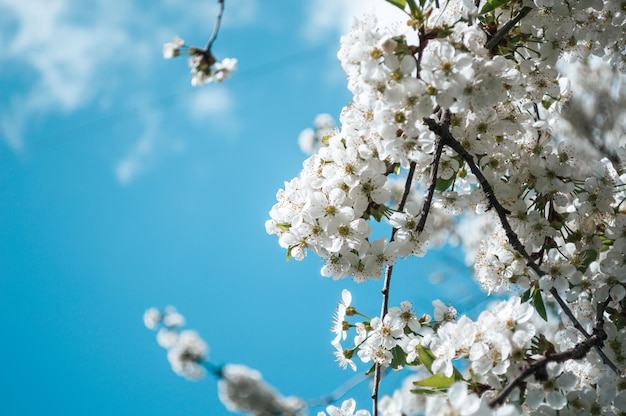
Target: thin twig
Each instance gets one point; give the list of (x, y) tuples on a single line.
[(216, 370), (387, 282), (501, 33), (216, 26), (339, 392)]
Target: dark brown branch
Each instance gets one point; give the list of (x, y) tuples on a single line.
[(577, 352), (391, 168), (449, 140), (407, 190), (579, 327), (434, 167), (501, 33)]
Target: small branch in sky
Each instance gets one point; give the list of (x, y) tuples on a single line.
[(216, 26), (339, 392)]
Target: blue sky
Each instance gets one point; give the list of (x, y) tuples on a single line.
[(122, 187)]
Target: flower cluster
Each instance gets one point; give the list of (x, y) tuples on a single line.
[(242, 389), (325, 209), (186, 351), (450, 354), (469, 109), (204, 67), (498, 125)]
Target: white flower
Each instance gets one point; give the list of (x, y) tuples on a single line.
[(172, 318), (172, 49), (166, 337), (187, 355), (386, 331), (222, 70), (458, 402), (443, 312), (339, 324), (205, 69), (406, 316), (151, 318), (343, 357), (347, 409)]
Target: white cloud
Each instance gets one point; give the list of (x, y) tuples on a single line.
[(63, 55), (139, 158), (73, 51), (213, 100), (332, 17)]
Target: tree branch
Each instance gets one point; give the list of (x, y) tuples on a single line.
[(449, 140), (501, 33), (575, 353), (434, 167)]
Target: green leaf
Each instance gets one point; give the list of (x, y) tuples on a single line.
[(443, 184), (400, 4), (426, 357), (526, 295), (412, 6), (491, 5), (428, 392), (399, 357), (437, 381), (288, 254), (456, 374), (539, 305), (371, 370)]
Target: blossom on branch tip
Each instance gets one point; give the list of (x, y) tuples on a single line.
[(187, 355), (242, 389), (172, 49), (204, 67), (186, 351)]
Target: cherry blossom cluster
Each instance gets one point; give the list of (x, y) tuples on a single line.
[(186, 351), (498, 125), (325, 209), (204, 67), (467, 125), (241, 389), (450, 353)]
